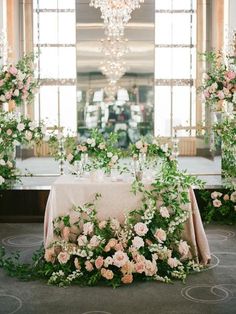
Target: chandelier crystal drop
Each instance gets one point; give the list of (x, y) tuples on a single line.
[(113, 69), (114, 47), (116, 14), (111, 90)]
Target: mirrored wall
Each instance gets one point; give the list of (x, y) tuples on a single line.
[(126, 106)]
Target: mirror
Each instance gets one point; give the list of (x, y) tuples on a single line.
[(127, 107)]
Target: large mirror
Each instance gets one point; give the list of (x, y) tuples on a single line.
[(126, 107)]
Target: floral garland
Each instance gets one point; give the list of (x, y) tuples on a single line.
[(219, 84), (103, 151), (219, 206), (15, 130), (17, 82)]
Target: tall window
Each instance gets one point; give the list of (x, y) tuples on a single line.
[(55, 42), (175, 65)]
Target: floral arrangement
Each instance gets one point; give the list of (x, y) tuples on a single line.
[(15, 130), (219, 84), (148, 246), (17, 82), (226, 132), (103, 151), (219, 206)]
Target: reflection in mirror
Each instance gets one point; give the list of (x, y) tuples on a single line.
[(125, 106)]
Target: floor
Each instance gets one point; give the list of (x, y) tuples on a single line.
[(45, 170), (213, 291)]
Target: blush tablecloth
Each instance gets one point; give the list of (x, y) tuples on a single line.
[(69, 191)]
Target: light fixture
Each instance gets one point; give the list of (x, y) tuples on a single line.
[(113, 69), (111, 90), (114, 47), (116, 14)]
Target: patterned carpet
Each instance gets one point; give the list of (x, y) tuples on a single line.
[(211, 291)]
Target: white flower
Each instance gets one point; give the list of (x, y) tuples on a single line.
[(2, 98), (233, 197), (139, 144), (9, 164), (20, 76), (2, 180), (91, 142), (114, 159), (33, 125), (16, 143), (164, 147), (69, 157), (108, 261), (109, 154), (82, 240), (137, 242), (2, 162), (20, 126), (173, 262), (115, 225), (16, 92), (164, 212), (28, 135)]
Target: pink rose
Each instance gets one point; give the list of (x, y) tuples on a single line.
[(119, 247), (95, 241), (82, 240), (88, 266), (112, 242), (8, 95), (217, 203), (102, 224), (107, 274), (231, 75), (9, 132), (88, 228), (160, 235), (128, 268), (137, 242), (63, 257), (164, 212), (128, 278), (215, 194), (150, 268), (77, 264), (233, 197), (226, 197), (173, 262), (139, 267), (99, 262), (65, 233), (69, 157), (120, 258), (13, 70), (1, 82), (220, 95), (183, 248), (50, 255), (141, 229)]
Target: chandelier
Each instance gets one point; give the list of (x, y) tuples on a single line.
[(114, 47), (111, 90), (116, 14), (113, 69)]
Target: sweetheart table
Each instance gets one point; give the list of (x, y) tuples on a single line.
[(68, 191)]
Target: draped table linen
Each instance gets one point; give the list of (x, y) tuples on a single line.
[(117, 199)]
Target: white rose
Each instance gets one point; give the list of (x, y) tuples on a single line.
[(28, 135), (69, 157), (108, 261), (20, 126), (20, 76), (9, 164), (164, 147), (2, 180), (33, 125), (109, 154), (233, 197), (2, 162), (137, 242), (16, 92), (2, 98)]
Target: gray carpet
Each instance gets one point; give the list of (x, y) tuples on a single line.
[(208, 292)]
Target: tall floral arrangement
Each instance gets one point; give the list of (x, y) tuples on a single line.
[(17, 82), (219, 83), (15, 129)]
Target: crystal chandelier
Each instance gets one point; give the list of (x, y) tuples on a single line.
[(116, 14), (111, 90), (114, 47), (113, 69)]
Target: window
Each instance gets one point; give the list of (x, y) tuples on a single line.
[(55, 43), (175, 65)]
